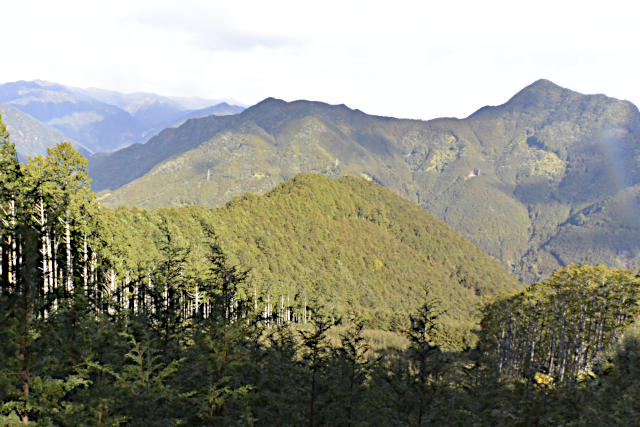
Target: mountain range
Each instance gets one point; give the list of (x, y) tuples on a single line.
[(102, 120), (548, 178), (31, 136)]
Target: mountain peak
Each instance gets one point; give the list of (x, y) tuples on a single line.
[(544, 84), (541, 88), (542, 94), (269, 101)]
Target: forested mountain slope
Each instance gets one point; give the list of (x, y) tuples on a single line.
[(529, 181), (348, 245)]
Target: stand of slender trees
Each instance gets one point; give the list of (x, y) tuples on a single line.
[(558, 327)]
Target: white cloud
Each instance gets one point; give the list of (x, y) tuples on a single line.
[(403, 58)]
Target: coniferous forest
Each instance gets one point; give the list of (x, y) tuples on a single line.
[(101, 328)]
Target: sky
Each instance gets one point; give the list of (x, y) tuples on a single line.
[(410, 59)]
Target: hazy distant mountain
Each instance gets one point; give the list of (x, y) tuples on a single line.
[(157, 110), (548, 178), (102, 120), (195, 103), (221, 109), (31, 136)]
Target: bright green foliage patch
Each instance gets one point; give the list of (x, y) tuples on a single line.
[(347, 244)]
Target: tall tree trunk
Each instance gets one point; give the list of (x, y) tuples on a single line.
[(50, 275), (12, 244), (85, 262), (92, 273), (532, 345), (69, 259), (43, 250), (562, 350)]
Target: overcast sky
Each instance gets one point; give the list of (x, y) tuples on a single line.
[(421, 59)]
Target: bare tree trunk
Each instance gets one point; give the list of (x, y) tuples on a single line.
[(281, 315), (553, 352), (93, 267), (532, 345), (43, 249), (600, 336), (50, 275), (12, 244), (85, 262), (111, 276), (69, 259), (562, 351)]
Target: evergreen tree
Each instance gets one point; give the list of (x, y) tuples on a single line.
[(226, 298), (424, 356), (315, 354), (168, 292), (280, 379), (144, 394), (351, 372)]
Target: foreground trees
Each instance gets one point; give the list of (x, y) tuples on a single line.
[(558, 327), (96, 329)]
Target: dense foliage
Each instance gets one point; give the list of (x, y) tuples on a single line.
[(347, 244), (87, 339)]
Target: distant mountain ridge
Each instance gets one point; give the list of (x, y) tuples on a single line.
[(550, 177), (104, 120), (31, 136)]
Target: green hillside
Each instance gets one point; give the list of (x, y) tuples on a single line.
[(348, 244), (522, 180)]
